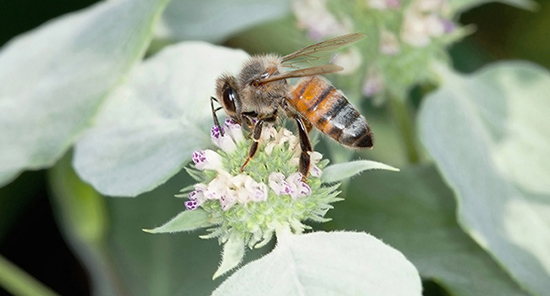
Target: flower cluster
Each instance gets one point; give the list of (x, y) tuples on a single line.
[(270, 192), (404, 37)]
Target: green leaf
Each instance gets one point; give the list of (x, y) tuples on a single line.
[(148, 128), (489, 134), (414, 211), (233, 254), (342, 171), (215, 20), (55, 77), (321, 263), (184, 221)]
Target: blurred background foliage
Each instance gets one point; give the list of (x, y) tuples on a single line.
[(44, 232)]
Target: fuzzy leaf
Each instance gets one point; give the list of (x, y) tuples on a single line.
[(490, 136), (321, 263), (149, 127), (200, 20), (232, 255), (415, 212), (342, 171), (55, 77), (184, 221)]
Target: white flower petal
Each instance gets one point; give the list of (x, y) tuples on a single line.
[(207, 160)]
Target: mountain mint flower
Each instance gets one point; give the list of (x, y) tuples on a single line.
[(207, 160), (320, 23), (269, 194), (403, 39)]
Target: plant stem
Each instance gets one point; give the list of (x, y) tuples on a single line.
[(17, 282), (405, 123)]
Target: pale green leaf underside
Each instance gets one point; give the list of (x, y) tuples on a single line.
[(415, 212), (54, 78), (149, 127), (342, 171), (232, 255), (490, 136), (216, 20), (321, 263), (184, 221)]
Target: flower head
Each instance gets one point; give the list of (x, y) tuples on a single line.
[(270, 192)]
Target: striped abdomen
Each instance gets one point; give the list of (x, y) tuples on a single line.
[(328, 109)]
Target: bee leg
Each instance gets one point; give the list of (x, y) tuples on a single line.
[(303, 127), (309, 126), (256, 135), (214, 115)]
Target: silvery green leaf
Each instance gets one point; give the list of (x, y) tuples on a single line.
[(232, 255), (54, 78), (216, 20), (415, 212), (321, 263), (342, 171), (184, 221), (148, 128), (489, 134)]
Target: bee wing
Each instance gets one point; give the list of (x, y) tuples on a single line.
[(319, 50), (317, 70)]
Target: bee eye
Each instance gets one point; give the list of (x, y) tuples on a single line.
[(229, 97)]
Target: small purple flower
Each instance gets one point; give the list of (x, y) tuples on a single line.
[(278, 184), (191, 205), (305, 189), (196, 197), (223, 141), (216, 132), (198, 157), (293, 185), (229, 122), (227, 200), (234, 130), (207, 160), (193, 195), (299, 187), (258, 191)]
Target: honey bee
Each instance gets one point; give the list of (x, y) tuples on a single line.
[(261, 92)]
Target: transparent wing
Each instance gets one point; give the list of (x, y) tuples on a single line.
[(319, 51), (317, 70)]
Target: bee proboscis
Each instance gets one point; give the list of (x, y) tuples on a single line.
[(260, 92)]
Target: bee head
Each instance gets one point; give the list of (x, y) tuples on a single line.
[(227, 93)]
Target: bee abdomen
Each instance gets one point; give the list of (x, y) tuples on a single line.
[(329, 110)]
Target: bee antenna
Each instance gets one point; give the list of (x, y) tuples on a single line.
[(214, 115)]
